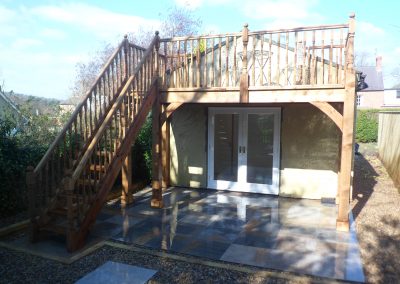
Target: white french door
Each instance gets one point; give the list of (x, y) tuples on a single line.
[(243, 149)]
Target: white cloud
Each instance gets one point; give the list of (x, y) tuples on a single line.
[(369, 28), (6, 14), (195, 4), (102, 23), (25, 43), (53, 34)]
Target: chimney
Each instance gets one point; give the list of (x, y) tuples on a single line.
[(379, 63)]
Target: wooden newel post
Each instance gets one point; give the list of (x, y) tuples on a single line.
[(156, 57), (68, 185), (126, 56), (30, 185), (31, 188), (156, 200), (346, 162), (244, 76)]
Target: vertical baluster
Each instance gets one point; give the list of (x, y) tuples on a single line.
[(186, 84), (323, 56), (330, 74), (261, 82), (220, 62), (205, 63), (253, 58), (90, 116), (172, 67), (296, 39), (278, 72), (198, 61), (212, 63), (227, 62), (287, 60), (313, 67), (304, 73), (179, 69), (76, 139), (99, 92), (234, 62), (270, 59), (340, 65)]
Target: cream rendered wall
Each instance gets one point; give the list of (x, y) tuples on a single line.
[(188, 146), (310, 144)]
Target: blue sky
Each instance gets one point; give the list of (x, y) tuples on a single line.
[(41, 41)]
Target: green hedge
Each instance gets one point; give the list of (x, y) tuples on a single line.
[(367, 125)]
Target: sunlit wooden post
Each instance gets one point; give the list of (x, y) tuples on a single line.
[(156, 200), (346, 162), (126, 171), (126, 50), (244, 76)]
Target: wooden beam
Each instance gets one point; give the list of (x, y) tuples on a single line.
[(331, 112), (165, 147), (257, 95), (171, 108), (297, 96), (347, 152), (126, 171), (156, 200)]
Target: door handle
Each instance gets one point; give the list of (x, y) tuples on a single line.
[(240, 149), (244, 149)]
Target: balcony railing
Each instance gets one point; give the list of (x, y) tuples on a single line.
[(306, 56)]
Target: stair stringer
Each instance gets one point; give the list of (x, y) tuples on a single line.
[(77, 239)]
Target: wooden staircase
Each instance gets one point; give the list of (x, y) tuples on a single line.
[(69, 186)]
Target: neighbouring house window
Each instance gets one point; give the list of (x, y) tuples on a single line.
[(397, 94), (358, 100)]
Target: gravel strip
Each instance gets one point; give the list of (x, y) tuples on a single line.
[(376, 209), (25, 268)]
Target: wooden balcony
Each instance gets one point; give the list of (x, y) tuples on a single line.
[(288, 65)]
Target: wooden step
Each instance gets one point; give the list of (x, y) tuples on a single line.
[(60, 229)]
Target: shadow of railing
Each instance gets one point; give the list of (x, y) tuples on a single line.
[(363, 184)]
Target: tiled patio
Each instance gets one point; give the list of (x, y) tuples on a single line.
[(273, 232)]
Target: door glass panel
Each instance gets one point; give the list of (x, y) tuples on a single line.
[(226, 147), (260, 148)]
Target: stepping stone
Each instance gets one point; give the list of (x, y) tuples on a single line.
[(114, 272)]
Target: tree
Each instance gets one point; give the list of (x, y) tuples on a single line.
[(178, 21), (362, 59)]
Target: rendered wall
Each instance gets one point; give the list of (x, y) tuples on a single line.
[(188, 146), (310, 144), (373, 99)]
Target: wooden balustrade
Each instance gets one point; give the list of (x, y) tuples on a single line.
[(72, 141), (94, 166), (277, 58)]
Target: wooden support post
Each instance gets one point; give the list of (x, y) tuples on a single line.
[(126, 193), (156, 200), (72, 241), (31, 184), (165, 152), (244, 76), (347, 153)]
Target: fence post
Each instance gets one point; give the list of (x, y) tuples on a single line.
[(244, 76)]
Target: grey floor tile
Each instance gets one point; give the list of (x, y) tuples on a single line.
[(114, 272), (105, 229), (245, 255)]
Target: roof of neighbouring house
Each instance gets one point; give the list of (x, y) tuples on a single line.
[(374, 78)]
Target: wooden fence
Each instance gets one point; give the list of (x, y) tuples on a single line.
[(389, 143)]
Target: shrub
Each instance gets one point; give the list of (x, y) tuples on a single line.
[(141, 153), (367, 125)]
